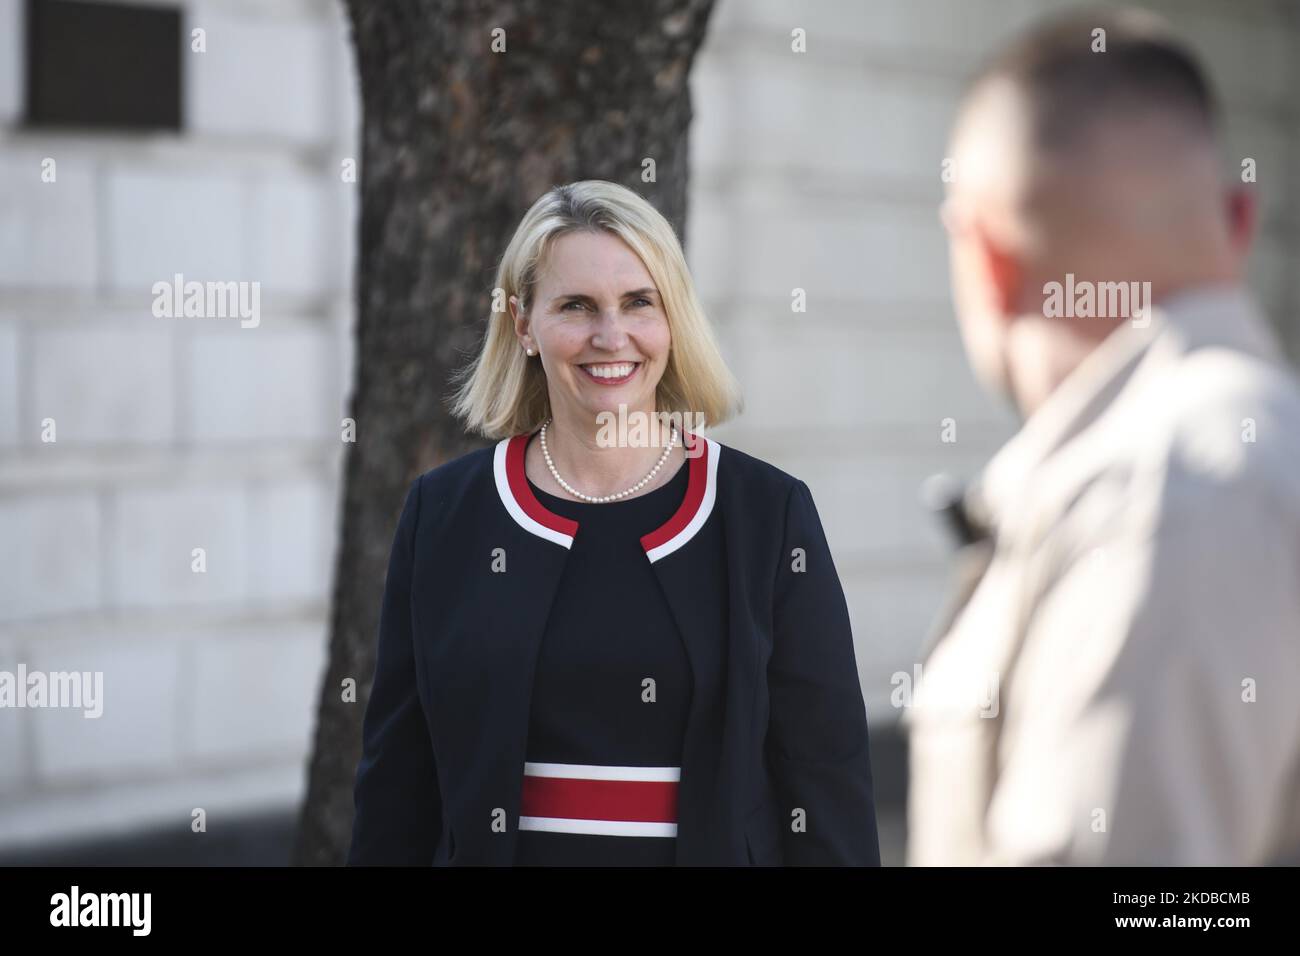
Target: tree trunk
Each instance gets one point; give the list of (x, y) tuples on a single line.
[(458, 141)]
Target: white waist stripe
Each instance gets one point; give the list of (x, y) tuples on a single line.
[(599, 827), (583, 771)]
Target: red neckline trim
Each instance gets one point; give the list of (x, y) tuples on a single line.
[(523, 494), (697, 485), (694, 496)]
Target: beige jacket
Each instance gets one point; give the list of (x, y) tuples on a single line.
[(1123, 686)]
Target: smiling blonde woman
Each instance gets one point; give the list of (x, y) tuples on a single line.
[(595, 652)]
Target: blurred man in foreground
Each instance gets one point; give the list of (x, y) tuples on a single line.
[(1123, 684)]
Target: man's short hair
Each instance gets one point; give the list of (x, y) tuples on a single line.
[(1145, 69)]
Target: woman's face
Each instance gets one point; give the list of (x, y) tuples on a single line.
[(598, 326)]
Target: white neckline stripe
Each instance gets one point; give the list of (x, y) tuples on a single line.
[(508, 499), (701, 514), (531, 524), (598, 827), (582, 771)]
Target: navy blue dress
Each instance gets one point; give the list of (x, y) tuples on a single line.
[(611, 694)]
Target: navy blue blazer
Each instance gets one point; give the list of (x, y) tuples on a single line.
[(775, 766)]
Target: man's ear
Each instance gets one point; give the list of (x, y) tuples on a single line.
[(1003, 272), (1243, 216)]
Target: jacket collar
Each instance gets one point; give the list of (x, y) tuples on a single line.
[(534, 517), (1216, 315)]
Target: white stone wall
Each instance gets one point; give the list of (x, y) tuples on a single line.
[(175, 433), (818, 171)]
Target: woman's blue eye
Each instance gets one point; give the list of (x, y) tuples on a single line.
[(639, 302)]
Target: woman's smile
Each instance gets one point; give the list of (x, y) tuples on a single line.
[(610, 373)]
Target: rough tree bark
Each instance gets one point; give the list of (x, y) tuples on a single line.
[(457, 141)]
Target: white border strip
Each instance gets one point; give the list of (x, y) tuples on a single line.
[(512, 506), (599, 827), (701, 514), (583, 771)]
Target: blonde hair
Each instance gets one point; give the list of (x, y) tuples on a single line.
[(503, 392)]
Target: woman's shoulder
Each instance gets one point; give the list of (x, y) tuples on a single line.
[(458, 472), (760, 487), (740, 467)]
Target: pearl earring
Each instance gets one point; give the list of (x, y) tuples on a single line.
[(528, 351)]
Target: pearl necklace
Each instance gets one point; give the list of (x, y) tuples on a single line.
[(672, 440)]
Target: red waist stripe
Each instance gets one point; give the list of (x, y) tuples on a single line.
[(642, 801)]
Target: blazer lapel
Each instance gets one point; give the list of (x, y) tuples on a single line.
[(516, 624), (491, 683), (695, 592)]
